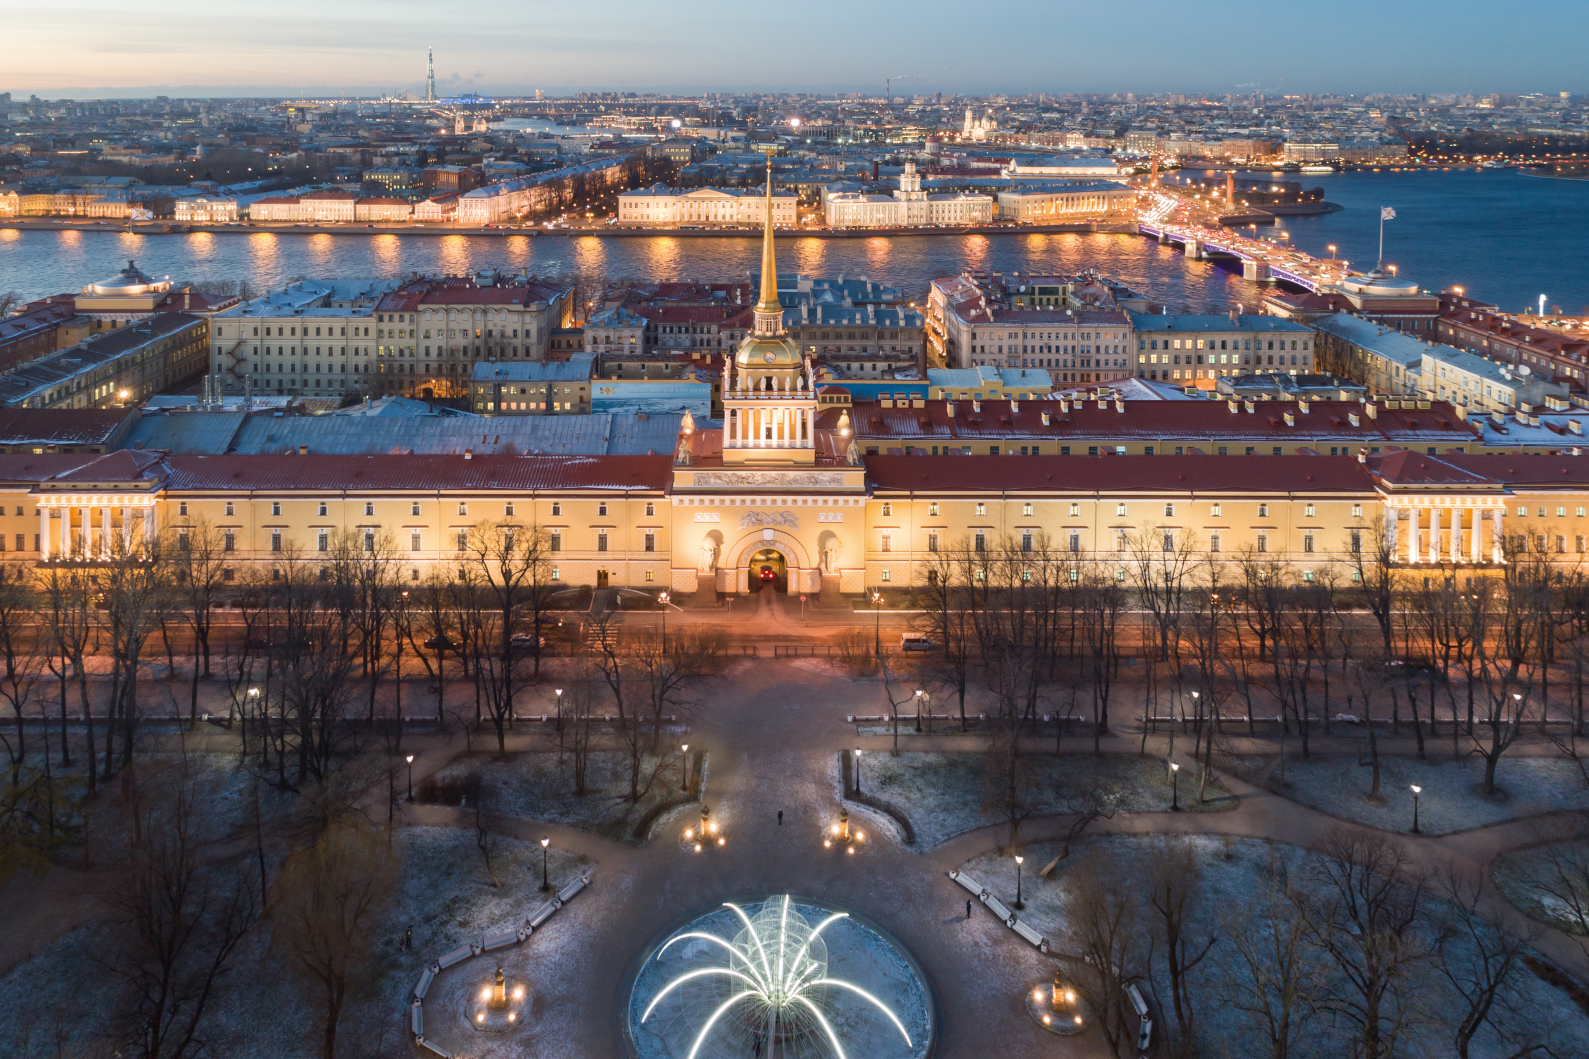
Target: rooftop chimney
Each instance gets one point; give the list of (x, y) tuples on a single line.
[(303, 450), (468, 454)]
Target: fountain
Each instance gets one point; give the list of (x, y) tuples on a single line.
[(496, 1005), (789, 979)]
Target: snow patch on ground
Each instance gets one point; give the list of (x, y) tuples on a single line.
[(1233, 872), (536, 786), (262, 1011), (1452, 798), (1517, 873), (945, 794)]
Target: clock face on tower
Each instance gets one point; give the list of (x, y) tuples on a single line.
[(768, 356)]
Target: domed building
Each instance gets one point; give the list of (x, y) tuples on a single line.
[(126, 295), (794, 500)]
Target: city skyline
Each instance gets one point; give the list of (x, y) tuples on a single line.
[(359, 49)]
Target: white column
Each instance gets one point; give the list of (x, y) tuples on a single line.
[(1473, 541), (44, 533), (148, 526), (1456, 535), (1434, 535), (1412, 535), (68, 541), (1391, 532), (1497, 534), (104, 532)]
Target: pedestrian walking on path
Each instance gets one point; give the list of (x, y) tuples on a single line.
[(780, 817), (968, 911)]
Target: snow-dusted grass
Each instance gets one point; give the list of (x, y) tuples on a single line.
[(1517, 875), (262, 1011), (535, 787), (947, 793), (1232, 873), (1452, 798)]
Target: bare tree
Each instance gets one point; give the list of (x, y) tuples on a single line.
[(182, 922), (200, 567), (1367, 920), (509, 564), (21, 666), (1277, 974), (1481, 964), (135, 584), (1175, 894), (329, 898), (1107, 929)]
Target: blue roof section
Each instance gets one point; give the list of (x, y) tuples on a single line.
[(598, 434), (1220, 324), (660, 397), (1387, 342), (868, 390), (577, 368)]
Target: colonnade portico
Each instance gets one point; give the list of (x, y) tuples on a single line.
[(1460, 518), (81, 541)]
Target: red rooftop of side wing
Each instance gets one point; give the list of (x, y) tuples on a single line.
[(1073, 475), (387, 473), (1153, 420), (1413, 469)]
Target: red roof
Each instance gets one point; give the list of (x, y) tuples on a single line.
[(1072, 475), (1155, 421), (392, 473)]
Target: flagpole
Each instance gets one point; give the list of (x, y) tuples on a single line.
[(1380, 264)]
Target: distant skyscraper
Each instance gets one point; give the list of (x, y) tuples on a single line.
[(430, 74)]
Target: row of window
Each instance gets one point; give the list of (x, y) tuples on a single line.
[(1122, 541), (369, 508), (1216, 510), (415, 540)]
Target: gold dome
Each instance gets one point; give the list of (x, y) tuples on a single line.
[(768, 351)]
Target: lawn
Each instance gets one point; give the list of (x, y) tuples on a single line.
[(945, 794), (1452, 798), (540, 786), (1231, 874)]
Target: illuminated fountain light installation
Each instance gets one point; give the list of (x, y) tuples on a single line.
[(768, 990)]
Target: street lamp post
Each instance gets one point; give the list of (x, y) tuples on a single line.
[(684, 768), (920, 695), (410, 760), (1019, 904), (1416, 790), (662, 598), (857, 770), (559, 709), (545, 885), (1175, 787)]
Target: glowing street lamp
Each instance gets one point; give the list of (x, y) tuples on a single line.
[(1175, 781), (877, 619), (545, 885), (1416, 790), (684, 768), (857, 770), (410, 760), (1019, 860)]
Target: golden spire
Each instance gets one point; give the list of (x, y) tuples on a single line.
[(769, 265)]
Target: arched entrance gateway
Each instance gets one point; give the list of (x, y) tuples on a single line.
[(773, 552), (761, 499), (767, 569)]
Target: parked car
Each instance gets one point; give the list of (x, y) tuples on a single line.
[(909, 642), (440, 643)]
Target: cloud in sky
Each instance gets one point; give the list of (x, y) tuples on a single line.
[(691, 46)]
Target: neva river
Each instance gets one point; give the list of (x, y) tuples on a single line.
[(1505, 236)]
